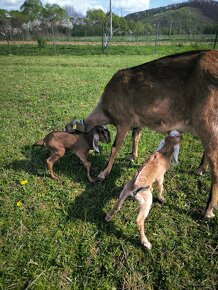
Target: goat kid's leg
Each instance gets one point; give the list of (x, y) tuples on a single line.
[(145, 206), (136, 135), (121, 134), (203, 165), (55, 156), (160, 188), (123, 196), (86, 164)]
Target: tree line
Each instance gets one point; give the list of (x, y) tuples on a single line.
[(33, 20)]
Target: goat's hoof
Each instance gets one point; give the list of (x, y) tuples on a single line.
[(209, 214), (199, 171)]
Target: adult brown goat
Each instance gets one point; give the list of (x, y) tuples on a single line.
[(177, 92)]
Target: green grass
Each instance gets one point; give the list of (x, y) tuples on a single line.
[(80, 50), (57, 238)]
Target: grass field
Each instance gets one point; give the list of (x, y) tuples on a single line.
[(53, 233)]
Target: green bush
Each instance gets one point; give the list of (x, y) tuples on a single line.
[(42, 42)]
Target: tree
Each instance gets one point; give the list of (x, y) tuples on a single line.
[(98, 17), (137, 28), (32, 8), (119, 24), (53, 12)]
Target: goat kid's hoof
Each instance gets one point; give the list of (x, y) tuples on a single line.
[(108, 218), (209, 215), (132, 158), (91, 180), (101, 176), (147, 245), (54, 177), (161, 200)]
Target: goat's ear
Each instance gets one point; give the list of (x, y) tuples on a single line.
[(160, 146), (176, 154), (95, 142)]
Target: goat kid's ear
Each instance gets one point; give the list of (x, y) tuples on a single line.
[(176, 154), (95, 142), (160, 146), (80, 126)]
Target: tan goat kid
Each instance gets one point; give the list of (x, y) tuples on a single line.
[(140, 186), (79, 143)]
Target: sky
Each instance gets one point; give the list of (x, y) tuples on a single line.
[(120, 7)]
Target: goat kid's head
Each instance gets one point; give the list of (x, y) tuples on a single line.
[(100, 133), (172, 140), (75, 124)]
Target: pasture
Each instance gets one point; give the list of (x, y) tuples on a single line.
[(53, 233)]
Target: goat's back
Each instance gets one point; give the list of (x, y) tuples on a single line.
[(160, 94)]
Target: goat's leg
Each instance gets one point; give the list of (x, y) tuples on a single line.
[(86, 164), (207, 130), (145, 206), (136, 135), (160, 188), (55, 156), (121, 133), (213, 196), (203, 165), (123, 196)]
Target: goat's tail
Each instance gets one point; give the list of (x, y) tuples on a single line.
[(39, 143)]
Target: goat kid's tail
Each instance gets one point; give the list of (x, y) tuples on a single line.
[(39, 143)]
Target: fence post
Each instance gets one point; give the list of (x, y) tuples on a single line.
[(157, 32), (102, 39), (215, 41)]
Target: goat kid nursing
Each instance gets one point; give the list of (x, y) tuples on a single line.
[(140, 186), (79, 143)]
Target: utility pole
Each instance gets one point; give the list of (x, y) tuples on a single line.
[(111, 26)]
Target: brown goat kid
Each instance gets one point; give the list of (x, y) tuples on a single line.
[(140, 186), (178, 92), (79, 143)]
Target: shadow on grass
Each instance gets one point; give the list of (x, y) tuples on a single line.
[(89, 205)]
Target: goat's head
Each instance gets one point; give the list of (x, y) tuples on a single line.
[(100, 133)]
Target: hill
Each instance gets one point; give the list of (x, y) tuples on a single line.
[(196, 16)]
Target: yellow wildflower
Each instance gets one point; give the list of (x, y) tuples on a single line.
[(23, 182), (19, 203)]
